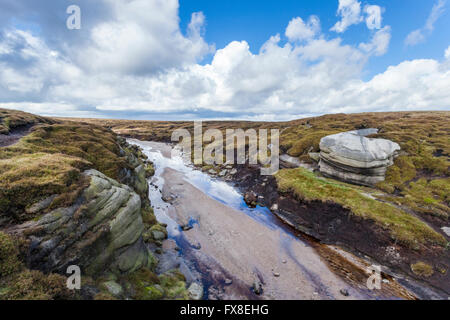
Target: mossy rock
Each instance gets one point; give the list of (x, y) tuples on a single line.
[(154, 292)]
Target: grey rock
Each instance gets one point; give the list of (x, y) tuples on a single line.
[(344, 292), (257, 287), (352, 157), (105, 233), (195, 291), (113, 288), (42, 205), (223, 173), (158, 235), (186, 227)]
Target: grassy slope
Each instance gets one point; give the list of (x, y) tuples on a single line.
[(419, 179), (50, 160), (405, 228)]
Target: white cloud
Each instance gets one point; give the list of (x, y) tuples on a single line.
[(350, 12), (419, 35), (447, 53), (380, 42), (373, 19), (298, 30), (141, 29), (282, 81)]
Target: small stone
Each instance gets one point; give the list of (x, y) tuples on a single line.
[(257, 287), (223, 173), (284, 261), (276, 274), (158, 235), (113, 287), (446, 230), (274, 207), (233, 172), (186, 227), (228, 282), (344, 292), (212, 171), (195, 291), (197, 246)]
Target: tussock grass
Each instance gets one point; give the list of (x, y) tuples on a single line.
[(50, 160), (422, 269), (11, 119)]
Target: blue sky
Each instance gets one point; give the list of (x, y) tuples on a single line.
[(209, 59), (256, 20)]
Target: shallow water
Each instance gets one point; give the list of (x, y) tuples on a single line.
[(301, 256)]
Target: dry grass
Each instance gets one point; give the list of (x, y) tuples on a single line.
[(11, 119), (422, 269), (50, 160)]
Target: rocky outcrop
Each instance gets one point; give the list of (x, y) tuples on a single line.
[(354, 158), (101, 231)]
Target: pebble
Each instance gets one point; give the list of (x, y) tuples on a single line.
[(344, 292)]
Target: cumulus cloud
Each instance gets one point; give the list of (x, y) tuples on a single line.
[(419, 35), (351, 13), (379, 44), (447, 53), (309, 74), (299, 30), (144, 37)]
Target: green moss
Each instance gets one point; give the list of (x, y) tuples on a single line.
[(139, 281), (174, 285), (148, 216), (422, 269), (146, 285), (9, 262), (403, 227), (154, 292), (149, 170), (34, 285)]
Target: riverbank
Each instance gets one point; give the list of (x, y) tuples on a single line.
[(236, 248)]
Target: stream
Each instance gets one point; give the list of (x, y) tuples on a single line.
[(231, 250)]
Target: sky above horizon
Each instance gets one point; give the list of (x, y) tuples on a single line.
[(207, 59)]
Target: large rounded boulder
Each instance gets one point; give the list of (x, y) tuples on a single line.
[(352, 157)]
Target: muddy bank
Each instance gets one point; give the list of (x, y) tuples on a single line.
[(332, 224), (14, 135)]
